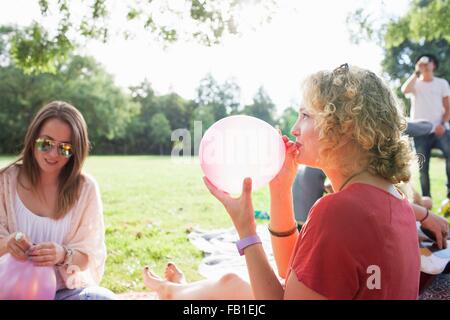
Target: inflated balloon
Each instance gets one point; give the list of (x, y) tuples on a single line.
[(21, 280), (237, 147)]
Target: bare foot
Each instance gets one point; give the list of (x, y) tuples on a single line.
[(156, 283), (173, 274)]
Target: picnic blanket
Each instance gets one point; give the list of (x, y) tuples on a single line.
[(221, 255), (432, 260)]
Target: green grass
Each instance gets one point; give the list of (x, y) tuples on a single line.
[(150, 203)]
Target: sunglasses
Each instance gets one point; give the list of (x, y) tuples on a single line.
[(45, 145), (342, 68)]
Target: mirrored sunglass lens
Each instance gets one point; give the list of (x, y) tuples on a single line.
[(43, 144), (65, 150)]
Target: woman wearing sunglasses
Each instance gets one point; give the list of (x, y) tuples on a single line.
[(50, 212), (359, 242)]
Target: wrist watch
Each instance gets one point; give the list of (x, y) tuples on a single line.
[(246, 242), (67, 261), (69, 257)]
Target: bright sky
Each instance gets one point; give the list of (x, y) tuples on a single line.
[(304, 36)]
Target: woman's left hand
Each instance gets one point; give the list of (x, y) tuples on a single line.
[(47, 254), (439, 227), (240, 209)]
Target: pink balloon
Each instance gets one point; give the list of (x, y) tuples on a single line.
[(21, 280), (237, 147)]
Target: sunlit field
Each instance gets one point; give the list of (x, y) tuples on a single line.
[(151, 203)]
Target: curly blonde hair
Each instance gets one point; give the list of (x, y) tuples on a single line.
[(354, 109)]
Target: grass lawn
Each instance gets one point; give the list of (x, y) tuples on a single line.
[(150, 203)]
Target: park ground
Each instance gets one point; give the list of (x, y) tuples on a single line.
[(150, 205)]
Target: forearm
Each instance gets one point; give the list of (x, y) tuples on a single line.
[(446, 116), (3, 243), (408, 86), (281, 220), (80, 259), (419, 211), (264, 282)]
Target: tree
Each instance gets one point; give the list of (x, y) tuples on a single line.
[(423, 29), (175, 108), (205, 116), (106, 108), (82, 82), (222, 99), (160, 131), (262, 107), (137, 134), (208, 96), (425, 21), (36, 49), (287, 121), (229, 96), (21, 97)]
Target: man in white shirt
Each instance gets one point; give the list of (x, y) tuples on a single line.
[(430, 101)]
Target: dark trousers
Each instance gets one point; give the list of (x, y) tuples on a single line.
[(423, 145)]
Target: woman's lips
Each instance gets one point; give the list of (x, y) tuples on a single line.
[(52, 163)]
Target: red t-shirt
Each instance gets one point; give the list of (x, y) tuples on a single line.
[(360, 243)]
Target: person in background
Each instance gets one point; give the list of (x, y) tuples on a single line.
[(430, 101)]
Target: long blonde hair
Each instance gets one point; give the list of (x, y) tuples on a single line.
[(70, 177), (354, 109)]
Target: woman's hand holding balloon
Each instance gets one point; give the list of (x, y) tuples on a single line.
[(240, 209), (285, 178), (18, 245), (20, 279), (47, 254)]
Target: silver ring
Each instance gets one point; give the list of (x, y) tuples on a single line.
[(19, 236)]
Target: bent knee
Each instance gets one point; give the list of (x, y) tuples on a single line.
[(230, 278)]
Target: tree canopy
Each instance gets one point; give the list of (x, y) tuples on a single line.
[(39, 48), (424, 28), (136, 120)]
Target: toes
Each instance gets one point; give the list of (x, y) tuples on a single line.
[(170, 266), (146, 272), (173, 268), (169, 269), (152, 280), (149, 273)]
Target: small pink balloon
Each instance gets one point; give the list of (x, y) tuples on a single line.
[(237, 147), (21, 280)]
